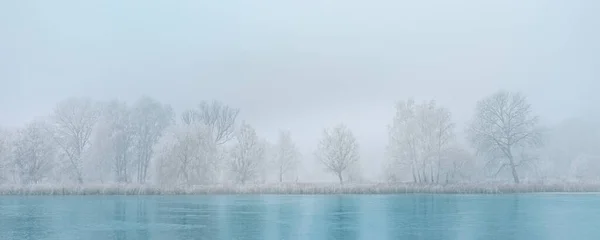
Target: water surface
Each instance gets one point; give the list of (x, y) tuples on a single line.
[(370, 217)]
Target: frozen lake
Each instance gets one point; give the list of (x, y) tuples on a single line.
[(370, 217)]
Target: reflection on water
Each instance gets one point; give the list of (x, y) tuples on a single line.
[(342, 215), (301, 217), (142, 219), (120, 216), (246, 218), (23, 220)]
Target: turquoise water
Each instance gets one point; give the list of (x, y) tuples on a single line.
[(370, 217)]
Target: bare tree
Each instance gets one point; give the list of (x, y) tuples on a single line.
[(74, 119), (286, 154), (5, 151), (458, 165), (219, 117), (121, 136), (338, 150), (353, 173), (247, 154), (186, 155), (564, 146), (504, 123), (34, 153), (150, 119), (100, 158), (418, 138), (188, 117)]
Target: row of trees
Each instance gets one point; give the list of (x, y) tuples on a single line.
[(422, 138), (86, 141)]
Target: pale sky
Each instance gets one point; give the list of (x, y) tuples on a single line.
[(302, 65)]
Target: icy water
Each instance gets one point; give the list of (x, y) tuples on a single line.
[(370, 217)]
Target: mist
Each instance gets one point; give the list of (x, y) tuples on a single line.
[(302, 67)]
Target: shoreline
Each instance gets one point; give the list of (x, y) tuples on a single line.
[(296, 189)]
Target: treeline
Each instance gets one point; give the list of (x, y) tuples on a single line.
[(84, 141)]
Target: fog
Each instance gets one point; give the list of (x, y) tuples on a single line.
[(303, 66)]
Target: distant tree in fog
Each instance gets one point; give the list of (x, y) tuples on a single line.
[(150, 119), (185, 155), (286, 154), (338, 150), (218, 117), (34, 153), (121, 137), (73, 121), (247, 155), (503, 128), (5, 151), (569, 150), (188, 117), (353, 173), (458, 165), (419, 138)]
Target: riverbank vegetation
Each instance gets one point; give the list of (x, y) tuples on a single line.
[(297, 189)]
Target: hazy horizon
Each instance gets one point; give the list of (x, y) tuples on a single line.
[(302, 66)]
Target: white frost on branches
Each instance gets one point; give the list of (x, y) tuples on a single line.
[(34, 153), (338, 150), (419, 139), (247, 155), (286, 155), (73, 122), (186, 156), (504, 129)]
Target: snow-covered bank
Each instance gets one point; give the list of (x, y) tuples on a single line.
[(296, 189)]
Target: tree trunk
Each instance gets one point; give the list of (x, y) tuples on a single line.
[(341, 178), (446, 178), (280, 174), (514, 173), (513, 169), (439, 168), (432, 175)]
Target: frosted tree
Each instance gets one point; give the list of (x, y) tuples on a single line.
[(5, 152), (73, 122), (419, 136), (188, 117), (286, 155), (186, 155), (458, 165), (218, 117), (503, 128), (100, 157), (121, 135), (565, 145), (247, 155), (34, 153), (150, 119), (338, 150), (353, 174), (220, 120)]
